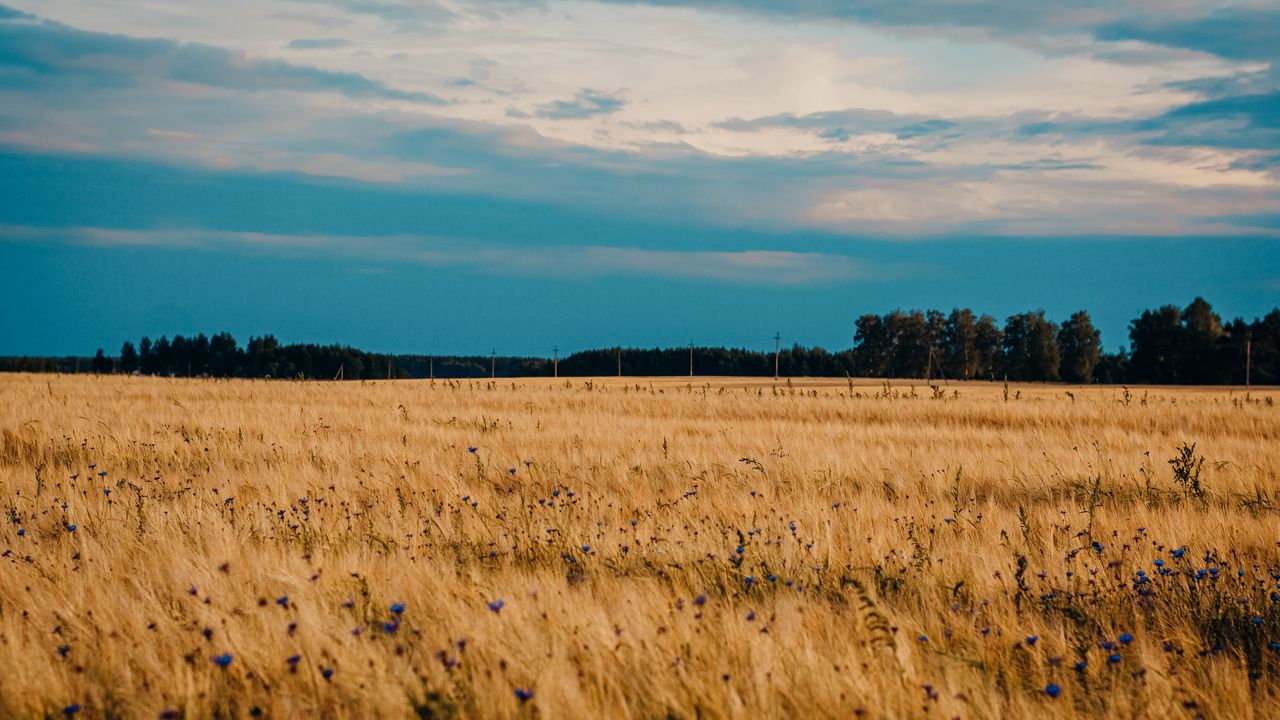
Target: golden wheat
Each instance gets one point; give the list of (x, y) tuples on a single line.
[(634, 549)]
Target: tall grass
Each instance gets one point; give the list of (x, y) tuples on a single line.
[(658, 548)]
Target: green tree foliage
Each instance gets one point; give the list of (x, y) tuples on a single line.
[(1080, 345), (1030, 348)]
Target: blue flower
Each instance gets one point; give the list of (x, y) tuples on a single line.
[(1082, 665), (1114, 658), (524, 694), (633, 523), (748, 580), (71, 528), (327, 673), (923, 638), (222, 660), (106, 491), (1178, 553), (1125, 639), (1256, 620), (511, 470), (293, 659), (739, 550), (472, 449), (1158, 563), (700, 600), (71, 709), (22, 531), (496, 605), (397, 608), (586, 548), (1032, 639), (390, 626), (283, 601), (751, 616), (1052, 690)]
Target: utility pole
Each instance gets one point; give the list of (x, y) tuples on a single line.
[(555, 361), (431, 368), (690, 358), (1248, 359), (777, 349), (619, 351), (388, 367), (493, 364)]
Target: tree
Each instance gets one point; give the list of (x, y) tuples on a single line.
[(128, 358), (1031, 348), (988, 345), (1155, 339), (872, 346), (960, 345), (1081, 347), (1200, 357), (101, 363)]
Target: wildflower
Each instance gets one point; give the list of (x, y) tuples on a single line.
[(22, 532), (1082, 665), (106, 491), (923, 638), (1032, 639), (397, 608), (326, 673), (586, 548), (1158, 563), (739, 550), (524, 694), (293, 659), (222, 660), (700, 600), (472, 449), (1178, 553), (283, 601), (748, 580), (1256, 620), (1113, 658), (1097, 546), (390, 627), (71, 709), (496, 605), (71, 528), (63, 650), (633, 523), (1052, 690), (1125, 639), (751, 616)]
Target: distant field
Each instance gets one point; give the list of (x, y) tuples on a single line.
[(636, 548)]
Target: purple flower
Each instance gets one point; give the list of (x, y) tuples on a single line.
[(496, 605), (524, 694)]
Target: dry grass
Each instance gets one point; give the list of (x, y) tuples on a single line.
[(278, 520)]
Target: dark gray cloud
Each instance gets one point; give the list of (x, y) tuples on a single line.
[(1234, 33), (585, 103), (44, 53), (1238, 33), (319, 44), (843, 125)]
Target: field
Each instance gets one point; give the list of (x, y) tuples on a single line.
[(633, 548)]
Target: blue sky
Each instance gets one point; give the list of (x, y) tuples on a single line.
[(460, 176)]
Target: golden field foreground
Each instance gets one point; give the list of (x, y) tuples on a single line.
[(635, 549)]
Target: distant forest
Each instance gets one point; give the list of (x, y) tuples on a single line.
[(1168, 345)]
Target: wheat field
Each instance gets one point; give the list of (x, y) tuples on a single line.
[(634, 548)]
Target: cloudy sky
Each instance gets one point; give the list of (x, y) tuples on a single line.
[(460, 176)]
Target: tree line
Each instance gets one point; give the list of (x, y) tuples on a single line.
[(1167, 345)]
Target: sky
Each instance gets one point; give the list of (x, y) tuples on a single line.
[(467, 176)]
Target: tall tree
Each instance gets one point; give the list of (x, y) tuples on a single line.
[(1031, 347), (128, 358), (1081, 347), (101, 363), (988, 344), (960, 345), (1155, 339)]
